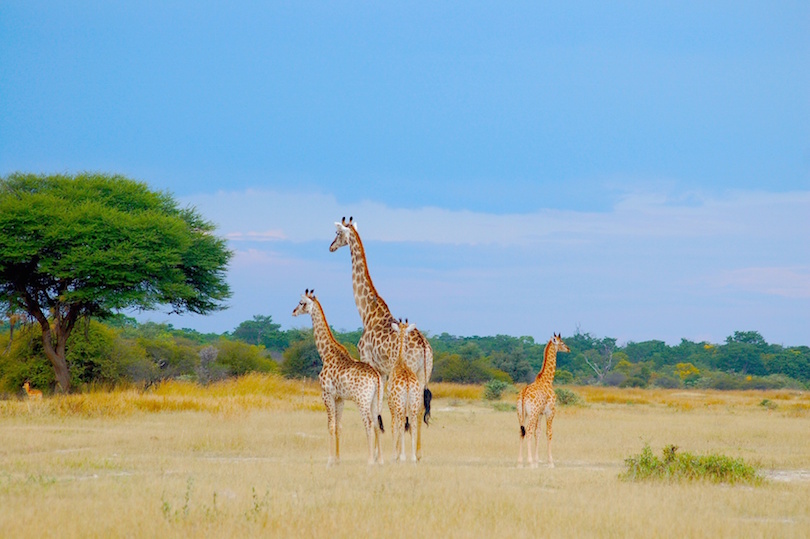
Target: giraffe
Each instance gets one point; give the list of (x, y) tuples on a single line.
[(403, 398), (539, 398), (379, 344), (344, 378)]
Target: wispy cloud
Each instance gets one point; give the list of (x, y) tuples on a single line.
[(654, 266), (269, 235), (785, 282), (309, 217)]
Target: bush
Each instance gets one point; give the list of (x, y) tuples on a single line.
[(566, 397), (494, 389), (301, 359), (668, 382), (684, 466), (563, 377), (634, 381), (614, 378), (241, 358)]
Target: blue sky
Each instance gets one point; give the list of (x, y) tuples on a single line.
[(639, 170)]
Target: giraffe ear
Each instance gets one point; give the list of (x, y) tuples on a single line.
[(411, 327), (395, 326)]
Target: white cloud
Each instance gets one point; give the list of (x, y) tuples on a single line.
[(309, 217), (655, 266), (785, 282), (269, 235)]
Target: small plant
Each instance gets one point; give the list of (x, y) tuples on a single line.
[(768, 404), (566, 397), (260, 506), (503, 406), (494, 389), (684, 466)]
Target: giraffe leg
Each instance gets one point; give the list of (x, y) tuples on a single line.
[(338, 427), (522, 437), (415, 453), (370, 436), (332, 426), (397, 431), (537, 445), (418, 426), (549, 419), (534, 424)]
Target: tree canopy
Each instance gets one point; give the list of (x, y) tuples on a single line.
[(92, 244)]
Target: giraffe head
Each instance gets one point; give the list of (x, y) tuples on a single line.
[(305, 305), (403, 329), (558, 343), (343, 232)]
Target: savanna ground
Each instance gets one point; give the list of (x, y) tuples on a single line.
[(247, 458)]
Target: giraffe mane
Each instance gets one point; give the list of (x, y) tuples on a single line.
[(546, 351), (373, 289), (326, 325)]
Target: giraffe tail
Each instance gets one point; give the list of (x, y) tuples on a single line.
[(380, 401), (407, 424), (427, 397), (520, 417)]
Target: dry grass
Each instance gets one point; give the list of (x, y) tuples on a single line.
[(255, 391), (237, 459)]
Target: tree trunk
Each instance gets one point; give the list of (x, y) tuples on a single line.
[(57, 357)]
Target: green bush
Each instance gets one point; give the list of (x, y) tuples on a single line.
[(566, 397), (241, 358), (494, 389), (563, 377), (301, 359), (684, 466)]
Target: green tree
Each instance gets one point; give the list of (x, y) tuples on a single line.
[(261, 331), (92, 244), (301, 359), (241, 358)]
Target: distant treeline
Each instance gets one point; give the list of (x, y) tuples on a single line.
[(121, 350)]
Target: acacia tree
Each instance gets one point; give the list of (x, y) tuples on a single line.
[(93, 244)]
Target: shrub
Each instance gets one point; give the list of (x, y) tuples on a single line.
[(667, 382), (684, 466), (566, 397), (494, 389), (563, 377), (614, 378)]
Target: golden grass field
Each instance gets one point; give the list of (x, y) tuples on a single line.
[(247, 458)]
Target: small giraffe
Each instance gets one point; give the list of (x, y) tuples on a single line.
[(379, 344), (344, 378), (33, 394), (404, 391), (536, 399)]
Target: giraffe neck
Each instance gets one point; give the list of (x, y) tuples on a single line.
[(369, 304), (546, 373), (324, 340)]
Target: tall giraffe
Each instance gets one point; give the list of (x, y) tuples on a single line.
[(536, 399), (404, 401), (379, 343), (344, 378)]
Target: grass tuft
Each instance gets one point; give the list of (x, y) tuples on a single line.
[(684, 466)]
